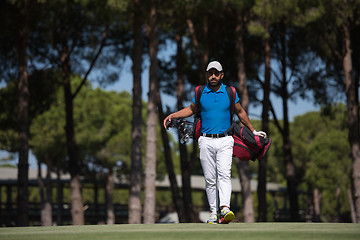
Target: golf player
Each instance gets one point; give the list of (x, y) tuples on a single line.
[(215, 144)]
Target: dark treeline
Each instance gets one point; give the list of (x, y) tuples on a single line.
[(288, 49)]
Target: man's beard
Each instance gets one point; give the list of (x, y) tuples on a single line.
[(216, 84)]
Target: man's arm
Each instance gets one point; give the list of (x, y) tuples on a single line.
[(243, 117), (240, 112), (183, 113)]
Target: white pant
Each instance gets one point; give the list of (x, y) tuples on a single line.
[(216, 159)]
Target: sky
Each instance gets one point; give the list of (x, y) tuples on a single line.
[(126, 84)]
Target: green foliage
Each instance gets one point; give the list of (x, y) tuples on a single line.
[(275, 166), (103, 126), (102, 130), (322, 156), (47, 131), (274, 203), (42, 87), (294, 12), (329, 168), (256, 29)]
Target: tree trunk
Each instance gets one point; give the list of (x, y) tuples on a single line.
[(338, 205), (41, 186), (247, 201), (110, 214), (317, 200), (150, 168), (46, 201), (22, 39), (186, 186), (9, 204), (184, 216), (136, 164), (289, 167), (77, 211), (188, 213), (203, 58), (309, 217), (261, 189), (288, 158), (199, 54), (351, 90), (96, 199), (59, 187), (243, 167), (351, 204), (176, 198), (205, 55)]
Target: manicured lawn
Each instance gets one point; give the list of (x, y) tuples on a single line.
[(241, 231)]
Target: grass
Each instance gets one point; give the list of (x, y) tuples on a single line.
[(243, 231)]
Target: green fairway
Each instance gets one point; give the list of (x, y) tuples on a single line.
[(243, 231)]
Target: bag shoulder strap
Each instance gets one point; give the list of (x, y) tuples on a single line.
[(232, 94), (198, 91), (231, 91)]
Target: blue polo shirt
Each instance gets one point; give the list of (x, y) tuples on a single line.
[(215, 110)]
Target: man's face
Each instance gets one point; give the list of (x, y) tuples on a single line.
[(214, 77)]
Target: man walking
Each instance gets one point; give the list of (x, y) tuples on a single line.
[(215, 144)]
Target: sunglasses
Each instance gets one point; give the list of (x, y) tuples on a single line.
[(216, 73)]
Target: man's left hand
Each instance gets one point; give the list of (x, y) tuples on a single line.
[(260, 133)]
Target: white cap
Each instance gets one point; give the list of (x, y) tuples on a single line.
[(214, 64)]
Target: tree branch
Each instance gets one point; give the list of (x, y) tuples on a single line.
[(277, 124), (275, 74), (104, 35)]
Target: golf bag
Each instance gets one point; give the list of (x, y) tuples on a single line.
[(248, 146)]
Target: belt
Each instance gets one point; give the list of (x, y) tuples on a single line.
[(215, 135)]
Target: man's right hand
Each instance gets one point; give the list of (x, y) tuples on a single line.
[(167, 121)]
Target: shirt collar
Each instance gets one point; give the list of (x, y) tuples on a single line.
[(207, 89)]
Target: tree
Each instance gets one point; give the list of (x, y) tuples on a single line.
[(23, 14), (264, 16), (351, 86), (336, 47), (184, 206), (136, 164), (42, 92), (172, 20), (48, 145), (103, 135), (241, 11), (68, 36), (322, 161), (150, 168), (18, 20), (291, 58)]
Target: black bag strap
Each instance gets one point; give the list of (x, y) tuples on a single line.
[(232, 94), (198, 91)]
